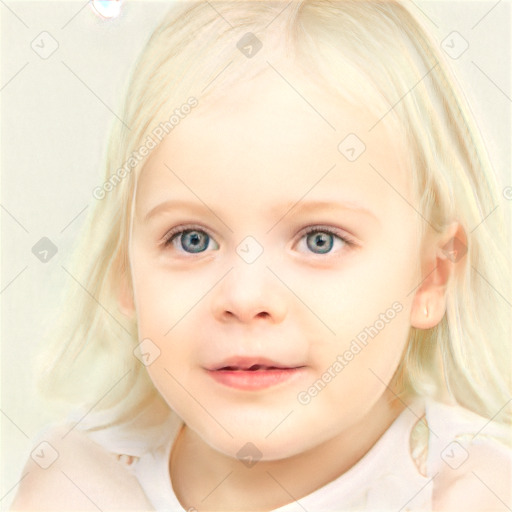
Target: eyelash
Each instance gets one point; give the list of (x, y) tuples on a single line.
[(170, 235), (345, 238)]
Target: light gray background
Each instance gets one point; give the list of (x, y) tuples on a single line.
[(55, 116)]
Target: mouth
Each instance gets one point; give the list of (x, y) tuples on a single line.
[(253, 368), (252, 364), (250, 376)]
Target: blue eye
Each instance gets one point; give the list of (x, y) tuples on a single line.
[(192, 241), (322, 240)]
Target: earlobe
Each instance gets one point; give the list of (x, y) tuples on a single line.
[(428, 316), (440, 263)]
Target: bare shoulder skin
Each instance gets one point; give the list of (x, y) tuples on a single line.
[(482, 483), (83, 477)]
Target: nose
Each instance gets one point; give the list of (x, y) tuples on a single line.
[(249, 293)]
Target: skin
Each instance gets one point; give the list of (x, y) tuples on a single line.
[(244, 160), (249, 160)]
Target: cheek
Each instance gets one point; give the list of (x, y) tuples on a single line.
[(164, 296), (356, 294), (388, 269), (368, 307), (354, 372)]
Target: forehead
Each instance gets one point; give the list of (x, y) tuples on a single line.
[(276, 136)]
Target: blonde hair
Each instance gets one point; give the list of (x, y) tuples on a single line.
[(373, 53)]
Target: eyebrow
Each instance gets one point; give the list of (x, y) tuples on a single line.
[(307, 206), (284, 209)]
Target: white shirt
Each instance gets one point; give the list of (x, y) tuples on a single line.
[(386, 478)]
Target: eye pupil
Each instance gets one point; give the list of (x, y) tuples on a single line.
[(193, 238), (323, 241), (320, 240)]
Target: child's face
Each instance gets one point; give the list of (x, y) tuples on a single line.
[(256, 165)]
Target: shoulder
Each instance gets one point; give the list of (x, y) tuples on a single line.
[(68, 471), (482, 482), (470, 460)]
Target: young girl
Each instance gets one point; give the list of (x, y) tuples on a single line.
[(293, 295)]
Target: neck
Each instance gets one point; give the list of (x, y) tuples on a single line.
[(207, 479)]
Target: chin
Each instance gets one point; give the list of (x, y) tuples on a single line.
[(247, 445)]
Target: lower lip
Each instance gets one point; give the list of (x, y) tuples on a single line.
[(254, 380)]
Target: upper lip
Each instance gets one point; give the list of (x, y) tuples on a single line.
[(246, 363)]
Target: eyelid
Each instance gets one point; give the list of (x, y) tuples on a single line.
[(343, 235), (184, 227)]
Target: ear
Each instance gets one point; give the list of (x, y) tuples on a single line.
[(442, 255), (125, 298)]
